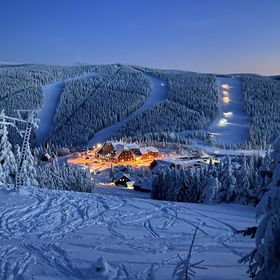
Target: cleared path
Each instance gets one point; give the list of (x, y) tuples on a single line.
[(51, 97), (158, 94), (232, 125)]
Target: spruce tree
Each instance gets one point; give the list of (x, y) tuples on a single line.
[(264, 261), (228, 183), (7, 159), (29, 172)]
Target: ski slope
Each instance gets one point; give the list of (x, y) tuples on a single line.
[(158, 94), (232, 125), (49, 234), (45, 114)]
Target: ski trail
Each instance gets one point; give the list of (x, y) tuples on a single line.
[(150, 229), (63, 233), (233, 123), (51, 98), (158, 94), (11, 267)]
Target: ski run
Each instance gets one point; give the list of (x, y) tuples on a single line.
[(50, 234)]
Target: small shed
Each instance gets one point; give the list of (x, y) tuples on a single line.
[(46, 157), (122, 179)]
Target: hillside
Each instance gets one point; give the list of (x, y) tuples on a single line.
[(61, 235), (76, 103)]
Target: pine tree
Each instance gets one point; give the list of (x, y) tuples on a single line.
[(1, 175), (7, 159), (182, 192), (228, 183), (195, 187), (243, 183), (210, 190), (29, 172), (264, 261)]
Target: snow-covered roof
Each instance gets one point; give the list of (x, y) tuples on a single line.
[(119, 175), (145, 150), (120, 148), (133, 146)]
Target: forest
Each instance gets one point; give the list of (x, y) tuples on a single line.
[(88, 105), (242, 181), (192, 102), (261, 102)]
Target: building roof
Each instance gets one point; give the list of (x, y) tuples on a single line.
[(119, 175), (120, 147), (145, 150), (133, 146)]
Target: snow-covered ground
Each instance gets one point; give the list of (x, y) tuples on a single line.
[(232, 125), (48, 234), (212, 150), (158, 94), (51, 97)]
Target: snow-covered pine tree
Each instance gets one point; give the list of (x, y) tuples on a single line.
[(264, 175), (29, 172), (195, 187), (264, 261), (210, 190), (242, 182), (228, 183), (1, 175), (7, 159), (182, 190)]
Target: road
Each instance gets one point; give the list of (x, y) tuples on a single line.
[(158, 94)]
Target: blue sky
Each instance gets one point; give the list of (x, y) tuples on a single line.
[(221, 36)]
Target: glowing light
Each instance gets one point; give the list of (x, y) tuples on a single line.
[(98, 145), (227, 114), (225, 92), (225, 86), (222, 122), (226, 99)]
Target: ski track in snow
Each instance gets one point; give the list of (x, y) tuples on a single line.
[(158, 94), (51, 97), (235, 130), (61, 234)]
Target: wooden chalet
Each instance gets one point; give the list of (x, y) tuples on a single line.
[(121, 179), (149, 152)]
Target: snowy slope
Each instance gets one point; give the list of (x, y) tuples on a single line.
[(51, 97), (232, 125), (48, 234), (158, 94)]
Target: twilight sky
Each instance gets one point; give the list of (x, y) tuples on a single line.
[(221, 36)]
